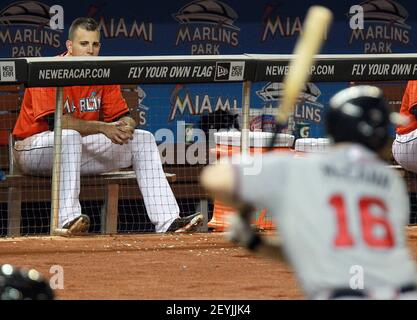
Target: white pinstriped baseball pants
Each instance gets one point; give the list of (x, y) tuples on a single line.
[(404, 150), (96, 154)]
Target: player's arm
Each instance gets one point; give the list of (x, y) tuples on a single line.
[(241, 232), (413, 110), (410, 97), (127, 125), (128, 120), (113, 104), (118, 132), (220, 180)]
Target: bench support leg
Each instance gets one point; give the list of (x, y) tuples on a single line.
[(203, 208), (14, 208), (110, 209)]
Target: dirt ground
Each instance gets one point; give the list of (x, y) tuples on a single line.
[(185, 266)]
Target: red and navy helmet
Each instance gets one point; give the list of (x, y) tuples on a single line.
[(22, 284), (359, 114)]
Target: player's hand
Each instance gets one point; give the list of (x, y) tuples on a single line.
[(118, 132), (241, 232), (126, 128)]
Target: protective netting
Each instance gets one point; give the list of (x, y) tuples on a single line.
[(182, 124)]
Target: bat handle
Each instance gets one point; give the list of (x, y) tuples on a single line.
[(278, 128), (245, 211)]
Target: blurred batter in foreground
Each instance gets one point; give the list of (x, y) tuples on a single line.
[(341, 215)]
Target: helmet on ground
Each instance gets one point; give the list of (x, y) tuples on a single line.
[(21, 284), (359, 114)]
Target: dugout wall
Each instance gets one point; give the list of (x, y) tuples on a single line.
[(212, 71)]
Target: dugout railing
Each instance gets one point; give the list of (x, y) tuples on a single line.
[(245, 69)]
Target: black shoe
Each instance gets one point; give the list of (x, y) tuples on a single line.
[(187, 224), (78, 226)]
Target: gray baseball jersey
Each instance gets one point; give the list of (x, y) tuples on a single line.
[(340, 215)]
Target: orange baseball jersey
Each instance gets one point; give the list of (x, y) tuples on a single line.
[(104, 103), (409, 101)]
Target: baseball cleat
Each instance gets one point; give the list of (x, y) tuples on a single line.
[(78, 226), (187, 224)]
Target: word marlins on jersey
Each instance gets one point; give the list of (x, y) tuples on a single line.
[(88, 104)]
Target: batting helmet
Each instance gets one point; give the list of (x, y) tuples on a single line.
[(22, 284), (359, 114)]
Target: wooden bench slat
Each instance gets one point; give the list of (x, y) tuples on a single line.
[(97, 193), (185, 174), (119, 177)]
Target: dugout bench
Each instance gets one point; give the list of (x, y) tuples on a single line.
[(109, 187)]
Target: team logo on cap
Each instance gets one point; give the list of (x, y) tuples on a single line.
[(207, 25), (384, 26)]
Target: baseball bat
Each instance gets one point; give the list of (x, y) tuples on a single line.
[(317, 22)]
